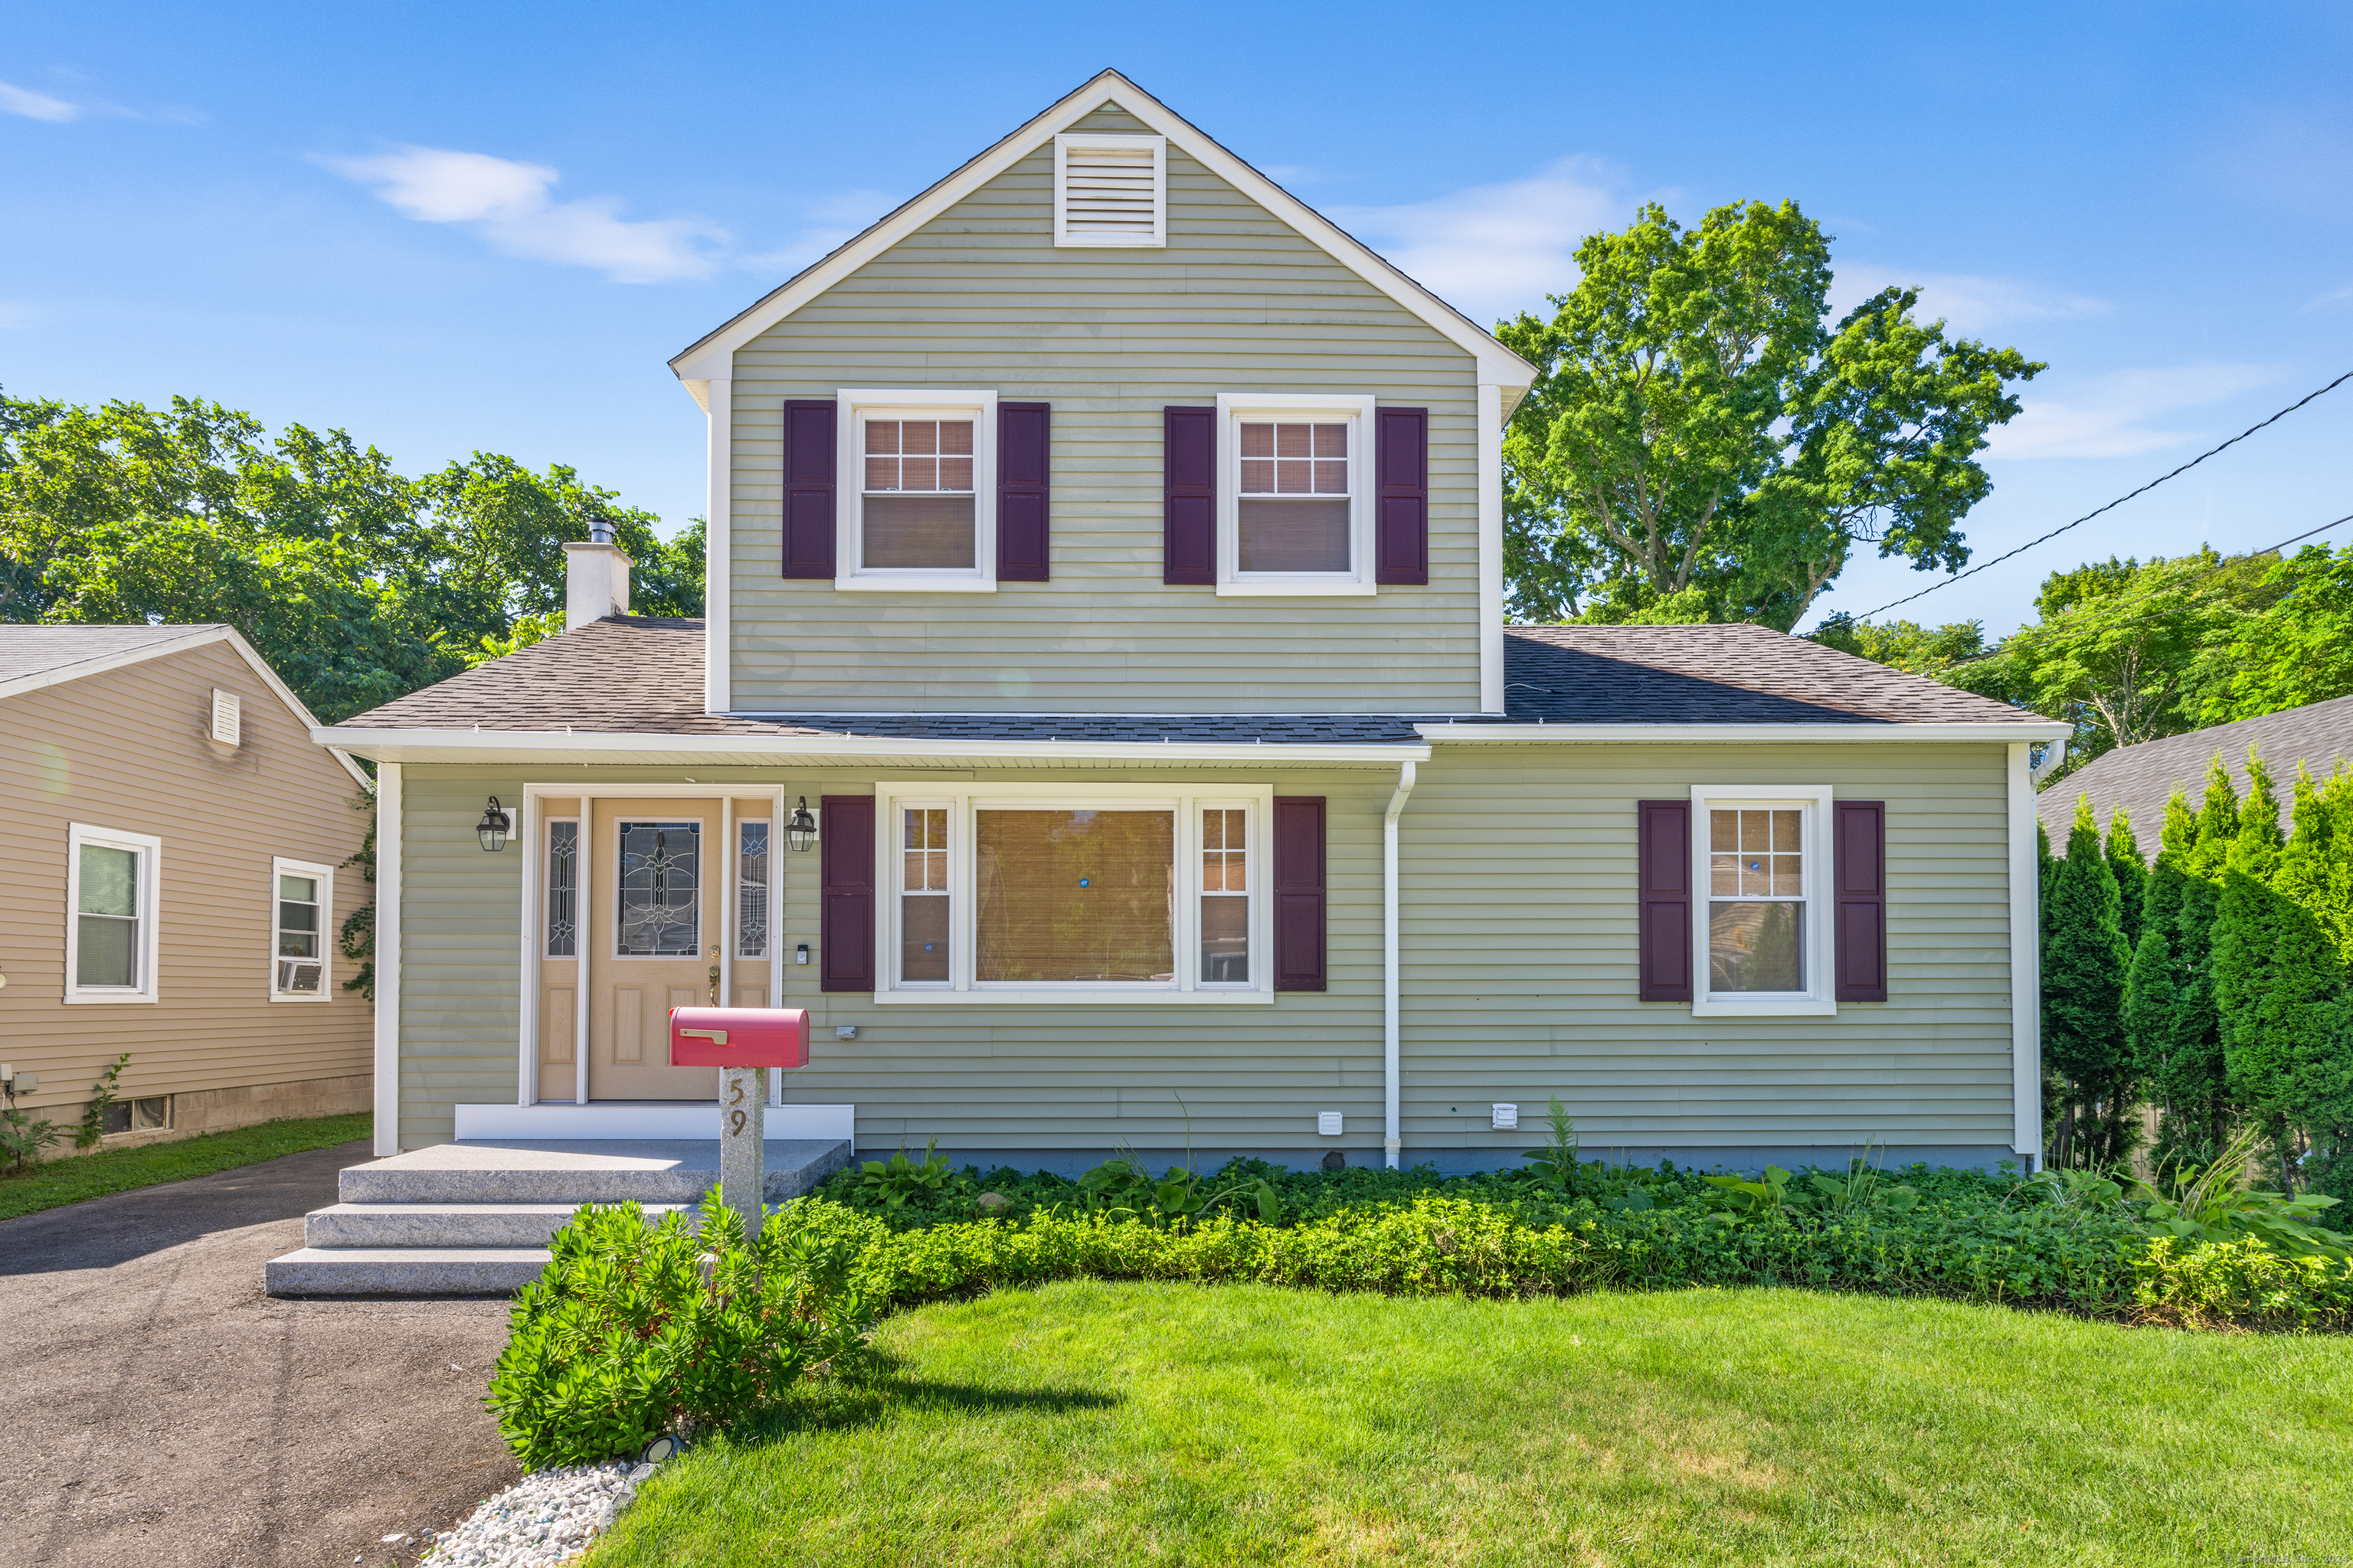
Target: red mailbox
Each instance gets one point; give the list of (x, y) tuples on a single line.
[(739, 1037)]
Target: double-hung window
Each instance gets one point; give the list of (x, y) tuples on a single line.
[(1067, 892), (923, 515), (1294, 503), (112, 879), (302, 903), (1763, 928)]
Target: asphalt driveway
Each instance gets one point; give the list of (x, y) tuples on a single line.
[(163, 1411)]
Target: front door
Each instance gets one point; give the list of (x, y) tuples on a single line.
[(655, 870)]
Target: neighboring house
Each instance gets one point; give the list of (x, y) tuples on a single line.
[(1106, 590), (2139, 779), (175, 845)]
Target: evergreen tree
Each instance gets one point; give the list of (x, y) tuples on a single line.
[(2168, 1008), (2316, 1052), (2201, 1084), (2083, 1037), (2131, 874)]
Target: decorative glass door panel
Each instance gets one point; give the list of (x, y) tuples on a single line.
[(652, 908)]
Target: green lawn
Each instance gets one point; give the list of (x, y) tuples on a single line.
[(1124, 1424), (67, 1180)]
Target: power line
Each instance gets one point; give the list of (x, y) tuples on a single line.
[(2112, 505)]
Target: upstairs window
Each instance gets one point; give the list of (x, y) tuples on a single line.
[(1294, 495), (924, 511), (1111, 189), (303, 898)]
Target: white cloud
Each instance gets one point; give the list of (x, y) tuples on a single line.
[(34, 105), (506, 201), (1967, 303), (833, 220), (2110, 416), (1494, 250)]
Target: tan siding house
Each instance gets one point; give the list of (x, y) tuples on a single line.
[(1105, 725), (174, 845)]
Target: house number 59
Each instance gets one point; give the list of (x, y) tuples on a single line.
[(735, 1116)]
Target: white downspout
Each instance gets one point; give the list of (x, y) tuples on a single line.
[(1390, 1141)]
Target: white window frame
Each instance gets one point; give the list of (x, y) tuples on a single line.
[(1159, 237), (150, 851), (1233, 409), (855, 406), (776, 867), (964, 802), (280, 865), (1820, 998), (702, 869)]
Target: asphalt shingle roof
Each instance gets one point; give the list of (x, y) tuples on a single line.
[(643, 674), (2139, 778), (28, 649)]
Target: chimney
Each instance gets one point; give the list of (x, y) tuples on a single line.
[(595, 578)]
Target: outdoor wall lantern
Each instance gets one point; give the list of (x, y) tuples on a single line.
[(493, 827), (801, 830)]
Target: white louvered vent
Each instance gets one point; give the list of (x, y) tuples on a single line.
[(1110, 190), (229, 718)]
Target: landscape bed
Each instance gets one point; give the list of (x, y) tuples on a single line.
[(72, 1179)]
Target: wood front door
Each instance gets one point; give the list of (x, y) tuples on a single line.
[(656, 937)]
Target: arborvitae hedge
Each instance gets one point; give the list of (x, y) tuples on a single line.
[(2083, 1039), (2131, 872), (2169, 1008)]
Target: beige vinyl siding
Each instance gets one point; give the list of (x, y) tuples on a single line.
[(1519, 979), (130, 749), (980, 298)]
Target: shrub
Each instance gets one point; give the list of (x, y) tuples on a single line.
[(634, 1331), (2242, 1283)]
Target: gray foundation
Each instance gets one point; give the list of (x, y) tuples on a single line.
[(1746, 1160)]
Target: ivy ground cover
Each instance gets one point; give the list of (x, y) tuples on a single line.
[(1090, 1422)]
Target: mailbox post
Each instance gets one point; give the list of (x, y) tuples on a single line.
[(743, 1042)]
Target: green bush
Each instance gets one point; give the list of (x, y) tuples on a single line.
[(635, 1330)]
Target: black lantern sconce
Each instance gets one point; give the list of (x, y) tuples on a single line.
[(493, 827), (801, 829)]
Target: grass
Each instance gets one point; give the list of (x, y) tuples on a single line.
[(69, 1181), (1093, 1423)]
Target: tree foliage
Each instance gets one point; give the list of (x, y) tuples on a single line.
[(2084, 1040), (355, 583), (1697, 428), (2168, 996)]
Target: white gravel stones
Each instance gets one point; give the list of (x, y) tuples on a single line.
[(548, 1517)]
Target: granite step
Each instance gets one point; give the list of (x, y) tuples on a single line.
[(404, 1271), (449, 1224)]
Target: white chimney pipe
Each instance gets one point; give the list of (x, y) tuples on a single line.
[(596, 582)]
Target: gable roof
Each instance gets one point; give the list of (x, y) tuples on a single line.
[(708, 358), (33, 655), (2140, 778)]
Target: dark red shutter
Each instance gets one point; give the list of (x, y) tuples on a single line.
[(846, 920), (1189, 506), (1663, 857), (1024, 451), (809, 487), (1298, 888), (1401, 496), (1859, 877)]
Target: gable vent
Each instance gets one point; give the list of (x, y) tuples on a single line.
[(228, 722), (1111, 190)]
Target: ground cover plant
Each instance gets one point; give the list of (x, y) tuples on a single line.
[(1091, 1422), (67, 1180)]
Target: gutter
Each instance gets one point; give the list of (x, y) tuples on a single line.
[(1392, 1142), (1738, 733), (581, 746)]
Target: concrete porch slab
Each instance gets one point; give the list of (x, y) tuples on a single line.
[(580, 1170)]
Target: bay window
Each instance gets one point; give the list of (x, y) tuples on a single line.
[(1294, 494), (918, 505), (1762, 927), (1057, 893)]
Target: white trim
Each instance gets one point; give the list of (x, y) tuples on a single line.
[(964, 798), (778, 751), (390, 826), (1872, 734), (668, 1119), (197, 637), (1357, 408), (852, 406), (2025, 963), (279, 866), (148, 911), (713, 356), (533, 834), (1820, 998), (718, 546), (1490, 447), (1392, 1138), (1064, 142)]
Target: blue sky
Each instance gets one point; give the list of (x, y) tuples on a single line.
[(452, 227)]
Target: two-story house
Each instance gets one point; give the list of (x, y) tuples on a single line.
[(1105, 722)]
